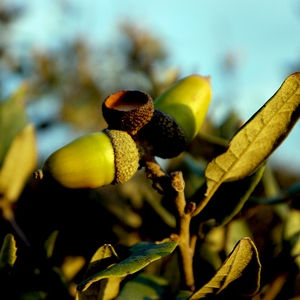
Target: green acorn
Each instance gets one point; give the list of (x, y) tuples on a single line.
[(187, 101), (179, 114), (93, 160)]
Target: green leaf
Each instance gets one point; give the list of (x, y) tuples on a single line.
[(145, 286), (8, 252), (258, 138), (107, 288), (183, 295), (104, 257), (142, 255), (13, 119), (238, 276)]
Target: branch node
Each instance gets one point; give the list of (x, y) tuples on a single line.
[(190, 208)]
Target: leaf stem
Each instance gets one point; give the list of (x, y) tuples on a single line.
[(201, 205)]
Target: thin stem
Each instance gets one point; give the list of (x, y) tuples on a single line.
[(9, 216)]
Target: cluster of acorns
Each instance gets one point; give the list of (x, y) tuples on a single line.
[(112, 156)]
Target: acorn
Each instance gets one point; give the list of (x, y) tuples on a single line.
[(128, 110), (187, 101), (93, 160), (178, 116)]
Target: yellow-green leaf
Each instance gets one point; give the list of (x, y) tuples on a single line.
[(8, 252), (258, 138), (238, 276), (107, 288), (145, 286), (142, 255), (19, 163), (13, 118), (236, 230), (50, 243), (104, 257), (71, 266)]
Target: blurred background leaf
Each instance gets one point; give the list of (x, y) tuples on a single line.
[(19, 164), (13, 118)]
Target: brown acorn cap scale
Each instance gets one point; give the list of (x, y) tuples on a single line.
[(126, 155)]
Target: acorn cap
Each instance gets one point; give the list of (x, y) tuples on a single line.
[(128, 110), (164, 134), (126, 155)]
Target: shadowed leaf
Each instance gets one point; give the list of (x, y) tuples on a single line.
[(258, 138), (142, 255), (229, 199), (50, 243), (291, 233), (238, 276)]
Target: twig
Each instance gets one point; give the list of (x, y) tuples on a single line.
[(173, 186), (161, 180), (184, 215)]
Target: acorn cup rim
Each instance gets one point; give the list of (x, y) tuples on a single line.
[(128, 110), (122, 96)]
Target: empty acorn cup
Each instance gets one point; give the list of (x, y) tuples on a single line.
[(128, 110)]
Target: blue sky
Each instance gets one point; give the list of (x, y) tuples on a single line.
[(264, 36)]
